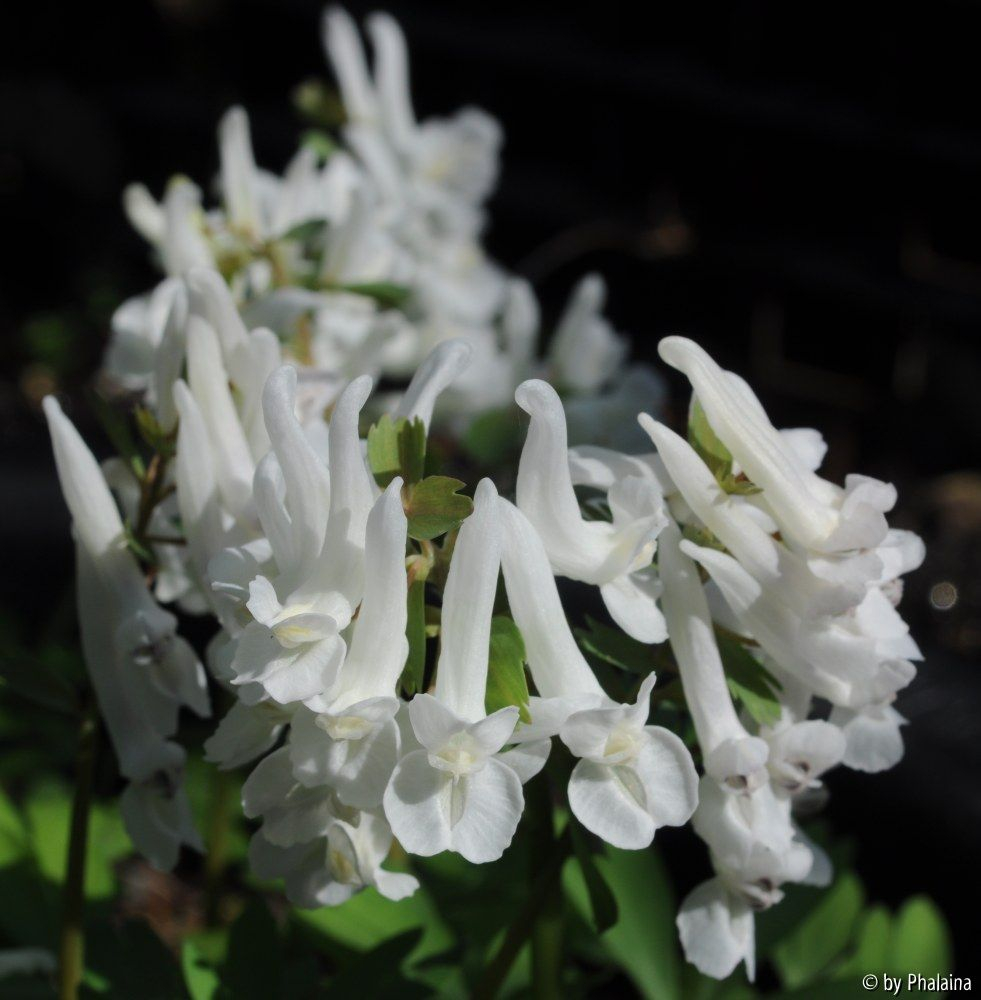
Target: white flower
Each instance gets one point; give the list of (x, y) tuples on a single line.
[(731, 755), (631, 778), (810, 511), (585, 352), (455, 793), (294, 648), (616, 557), (351, 741)]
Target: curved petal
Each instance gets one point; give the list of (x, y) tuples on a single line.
[(346, 56), (631, 600), (468, 602), (437, 371), (379, 647), (416, 805), (607, 807), (392, 79), (557, 666), (873, 739), (491, 812), (666, 772), (243, 734), (716, 930)]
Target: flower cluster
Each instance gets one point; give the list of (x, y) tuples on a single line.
[(329, 556), (367, 253)]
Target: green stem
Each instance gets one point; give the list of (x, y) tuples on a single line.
[(216, 857), (546, 949), (71, 952), (536, 919)]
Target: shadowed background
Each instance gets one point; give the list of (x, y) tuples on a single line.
[(794, 187)]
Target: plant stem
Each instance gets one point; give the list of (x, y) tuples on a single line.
[(544, 894), (71, 952), (546, 949), (216, 856)]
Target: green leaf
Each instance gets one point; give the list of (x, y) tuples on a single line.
[(134, 962), (385, 293), (39, 683), (434, 506), (161, 441), (921, 940), (602, 902), (48, 813), (319, 141), (822, 936), (200, 977), (615, 647), (380, 972), (14, 838), (506, 680), (749, 681), (706, 442), (872, 939), (644, 941), (253, 965), (309, 231), (117, 429), (367, 919), (397, 448), (494, 437), (414, 674)]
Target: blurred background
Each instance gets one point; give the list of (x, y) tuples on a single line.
[(793, 186)]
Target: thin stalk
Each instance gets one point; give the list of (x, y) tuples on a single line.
[(544, 893), (216, 858), (71, 951), (546, 935)]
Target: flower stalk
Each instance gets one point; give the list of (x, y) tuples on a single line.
[(71, 951)]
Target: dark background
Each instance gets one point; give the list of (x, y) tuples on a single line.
[(794, 185)]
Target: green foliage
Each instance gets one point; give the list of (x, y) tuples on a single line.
[(385, 293), (643, 941), (117, 429), (397, 448), (615, 647), (714, 453), (750, 683), (434, 506), (160, 441), (706, 442), (801, 956), (311, 231), (506, 680), (32, 679), (602, 902), (493, 437), (414, 673)]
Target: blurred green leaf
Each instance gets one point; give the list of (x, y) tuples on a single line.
[(506, 680), (872, 937), (615, 647), (602, 902), (161, 441), (397, 448), (118, 431), (309, 231), (35, 681), (134, 962), (253, 965), (921, 939), (414, 674), (644, 939), (48, 813), (493, 437), (706, 442), (750, 683), (368, 919), (434, 506), (200, 977), (379, 972), (385, 293), (822, 936)]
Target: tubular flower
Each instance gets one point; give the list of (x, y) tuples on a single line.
[(455, 793), (616, 557), (631, 778)]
